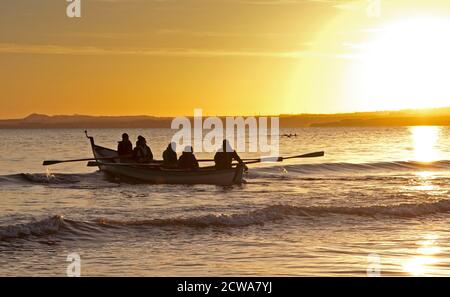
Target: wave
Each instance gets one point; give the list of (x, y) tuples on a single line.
[(268, 214), (50, 178), (38, 228), (43, 178), (352, 168), (384, 166)]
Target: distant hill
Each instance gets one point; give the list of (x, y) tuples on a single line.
[(37, 121), (422, 117), (436, 116)]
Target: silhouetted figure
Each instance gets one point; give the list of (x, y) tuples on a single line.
[(125, 148), (187, 159), (170, 156), (224, 156), (142, 153)]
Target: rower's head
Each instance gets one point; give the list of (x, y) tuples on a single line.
[(188, 150), (141, 139), (125, 137)]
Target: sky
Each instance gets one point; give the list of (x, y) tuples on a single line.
[(227, 57)]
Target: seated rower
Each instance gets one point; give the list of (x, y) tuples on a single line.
[(225, 156), (170, 156), (125, 148), (142, 153), (187, 159)]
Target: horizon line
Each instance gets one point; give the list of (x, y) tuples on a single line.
[(220, 116)]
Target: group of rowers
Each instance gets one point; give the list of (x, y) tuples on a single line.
[(143, 154)]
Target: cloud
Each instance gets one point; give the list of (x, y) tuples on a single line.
[(8, 48), (333, 3), (222, 34), (339, 4)]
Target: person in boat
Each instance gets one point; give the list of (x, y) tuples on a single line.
[(224, 157), (125, 148), (187, 159), (170, 156), (142, 153)]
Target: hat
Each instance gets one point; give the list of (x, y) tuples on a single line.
[(226, 147), (188, 149)]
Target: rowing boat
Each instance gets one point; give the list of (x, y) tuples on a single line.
[(159, 175)]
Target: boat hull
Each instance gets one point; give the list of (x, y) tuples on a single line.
[(158, 175)]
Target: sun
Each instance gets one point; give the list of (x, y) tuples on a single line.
[(406, 65)]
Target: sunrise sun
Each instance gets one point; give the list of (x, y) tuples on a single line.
[(406, 65)]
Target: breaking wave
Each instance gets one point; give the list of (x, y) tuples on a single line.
[(376, 166), (50, 178), (268, 214), (43, 178), (328, 169), (37, 228)]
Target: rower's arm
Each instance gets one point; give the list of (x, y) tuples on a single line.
[(237, 158)]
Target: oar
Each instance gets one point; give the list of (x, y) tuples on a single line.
[(96, 164), (212, 160), (310, 155), (280, 159), (246, 161), (53, 162)]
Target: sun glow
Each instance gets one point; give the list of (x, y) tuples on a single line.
[(406, 65)]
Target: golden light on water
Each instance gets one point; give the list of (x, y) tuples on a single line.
[(425, 139), (422, 264), (425, 174), (429, 250), (419, 265), (425, 188), (425, 181)]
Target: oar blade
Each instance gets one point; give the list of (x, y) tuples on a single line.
[(280, 159), (50, 162), (309, 155), (313, 155)]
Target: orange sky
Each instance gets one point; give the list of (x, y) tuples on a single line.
[(168, 57)]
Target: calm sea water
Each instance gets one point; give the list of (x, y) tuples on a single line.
[(379, 191)]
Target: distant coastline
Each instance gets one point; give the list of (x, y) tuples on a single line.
[(422, 117)]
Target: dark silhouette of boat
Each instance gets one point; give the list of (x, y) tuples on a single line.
[(155, 173)]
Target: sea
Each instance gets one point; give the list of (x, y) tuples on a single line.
[(377, 204)]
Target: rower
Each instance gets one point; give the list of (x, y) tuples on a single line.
[(225, 156), (170, 156), (142, 153), (125, 148), (187, 159)]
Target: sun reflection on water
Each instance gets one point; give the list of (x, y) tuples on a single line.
[(422, 263), (425, 174), (425, 139), (424, 181)]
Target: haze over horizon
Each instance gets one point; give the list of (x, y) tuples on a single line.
[(427, 111)]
